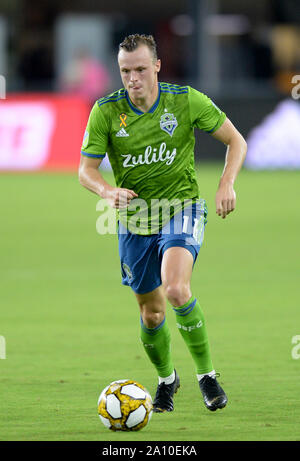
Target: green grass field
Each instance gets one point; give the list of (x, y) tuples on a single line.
[(71, 327)]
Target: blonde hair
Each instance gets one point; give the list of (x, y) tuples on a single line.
[(132, 42)]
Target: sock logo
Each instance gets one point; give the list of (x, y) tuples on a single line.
[(191, 327), (149, 346)]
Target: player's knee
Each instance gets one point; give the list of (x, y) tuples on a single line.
[(152, 319), (177, 293)]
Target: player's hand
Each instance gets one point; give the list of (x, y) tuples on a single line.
[(119, 197), (225, 199)]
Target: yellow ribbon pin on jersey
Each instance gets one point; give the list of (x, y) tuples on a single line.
[(123, 117)]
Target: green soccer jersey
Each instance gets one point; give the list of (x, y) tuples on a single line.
[(152, 153)]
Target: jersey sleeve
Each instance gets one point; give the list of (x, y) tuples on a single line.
[(205, 115), (95, 139)]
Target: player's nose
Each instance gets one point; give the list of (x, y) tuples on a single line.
[(133, 76)]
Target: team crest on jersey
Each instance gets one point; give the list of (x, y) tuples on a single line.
[(168, 123)]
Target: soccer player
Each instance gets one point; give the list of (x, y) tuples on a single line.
[(147, 130)]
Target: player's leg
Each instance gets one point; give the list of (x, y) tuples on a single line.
[(155, 334), (176, 271), (140, 266), (177, 265), (156, 339), (180, 246)]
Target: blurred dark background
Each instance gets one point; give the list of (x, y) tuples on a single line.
[(242, 54)]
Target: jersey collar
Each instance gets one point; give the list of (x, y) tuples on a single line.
[(138, 111)]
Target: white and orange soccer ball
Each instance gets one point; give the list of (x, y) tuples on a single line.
[(125, 405)]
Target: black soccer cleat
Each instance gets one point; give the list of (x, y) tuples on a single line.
[(213, 394), (164, 396)]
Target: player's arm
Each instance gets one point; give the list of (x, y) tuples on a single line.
[(91, 178), (93, 149), (206, 116), (235, 156)]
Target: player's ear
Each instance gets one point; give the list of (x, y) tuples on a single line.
[(158, 65)]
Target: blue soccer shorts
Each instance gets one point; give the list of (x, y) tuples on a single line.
[(141, 255)]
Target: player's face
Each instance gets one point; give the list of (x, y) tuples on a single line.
[(139, 72)]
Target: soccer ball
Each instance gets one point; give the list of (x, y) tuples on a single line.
[(125, 405)]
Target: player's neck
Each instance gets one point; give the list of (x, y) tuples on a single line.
[(144, 104)]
